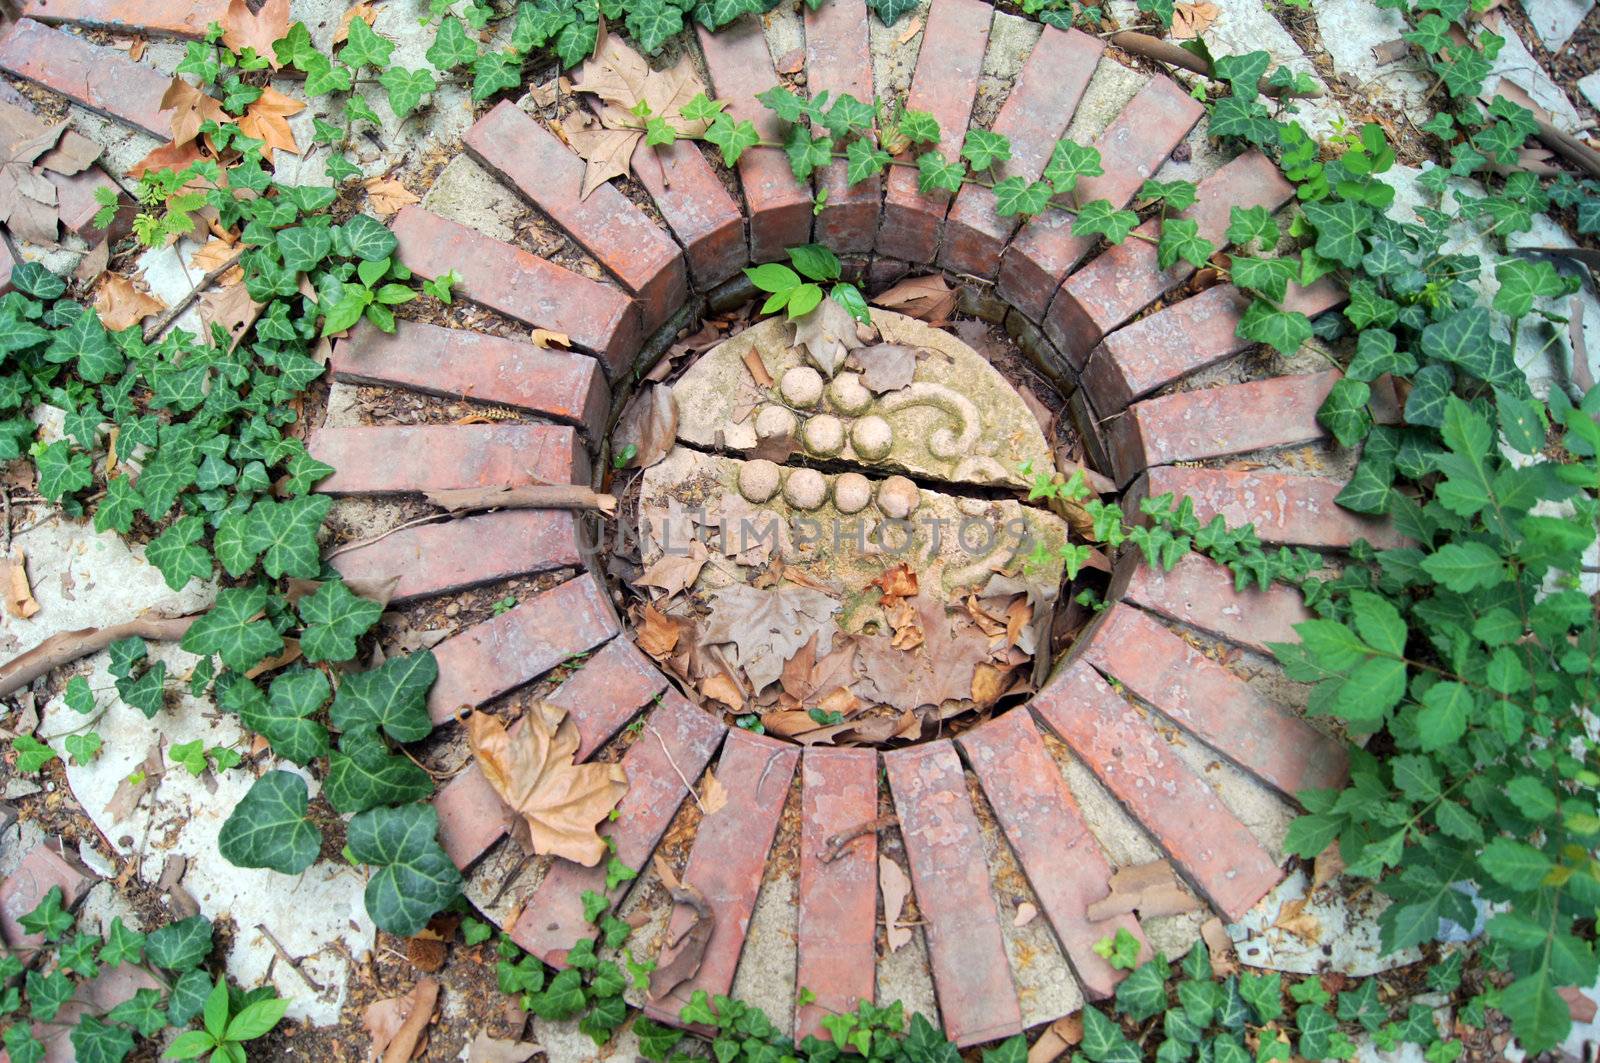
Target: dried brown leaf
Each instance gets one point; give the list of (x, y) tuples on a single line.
[(533, 772), (927, 298), (895, 887), (190, 107), (243, 28), (365, 12), (122, 305), (828, 335), (690, 943), (386, 195), (1191, 20), (887, 366), (486, 1049), (767, 627), (758, 368), (713, 795), (650, 424), (546, 340), (20, 601), (233, 309), (267, 120)]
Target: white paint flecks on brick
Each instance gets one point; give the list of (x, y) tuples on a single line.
[(1350, 30), (1556, 20)]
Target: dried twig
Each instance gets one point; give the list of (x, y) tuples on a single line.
[(67, 646), (283, 955), (1166, 52), (681, 777), (837, 843), (160, 324), (532, 496)]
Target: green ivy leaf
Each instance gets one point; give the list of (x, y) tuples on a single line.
[(95, 1041), (47, 993), (392, 697), (147, 693), (83, 748), (1143, 993), (806, 153), (414, 878), (1344, 412), (1340, 226), (1243, 73), (303, 247), (734, 138), (1376, 354), (1181, 239), (122, 945), (175, 553), (363, 774), (406, 88), (179, 946), (1429, 390), (494, 72), (919, 127), (62, 470), (268, 828), (367, 237), (1017, 196), (1247, 224), (364, 47), (1070, 161), (1283, 330), (334, 618), (863, 160), (983, 148), (451, 46), (86, 342), (234, 630), (1101, 218), (935, 173), (143, 1011), (32, 755)]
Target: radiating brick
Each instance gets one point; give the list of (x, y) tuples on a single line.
[(1131, 149), (458, 554), (1046, 830), (778, 206), (604, 223), (76, 205), (604, 693), (149, 18), (104, 80), (455, 363), (1183, 815), (599, 318), (839, 60), (838, 909), (47, 865), (706, 220), (1199, 592), (677, 738), (398, 459), (945, 84), (1230, 419), (1285, 508), (727, 862), (950, 874), (1204, 698), (1180, 339), (1033, 118), (518, 646), (1124, 279)]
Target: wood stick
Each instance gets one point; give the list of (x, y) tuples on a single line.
[(67, 646), (1166, 52), (532, 496)]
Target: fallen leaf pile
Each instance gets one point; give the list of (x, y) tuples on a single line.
[(558, 802), (399, 1026), (28, 204)]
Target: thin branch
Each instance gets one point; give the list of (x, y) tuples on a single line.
[(162, 323)]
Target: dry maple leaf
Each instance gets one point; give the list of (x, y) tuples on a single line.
[(928, 298), (27, 198), (486, 1049), (1191, 20), (620, 78), (190, 107), (243, 28), (169, 156), (120, 304), (365, 12), (828, 335), (267, 120), (233, 309), (216, 254), (533, 772), (767, 627), (658, 633), (676, 572), (887, 366), (713, 795), (897, 582), (386, 195), (895, 887)]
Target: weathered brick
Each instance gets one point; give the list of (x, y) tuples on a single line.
[(1199, 592), (945, 84), (456, 363), (527, 156), (1180, 339), (678, 737), (727, 860), (839, 59), (1033, 117), (1211, 703), (371, 459), (600, 697), (8, 262), (706, 220), (838, 916), (150, 18), (1183, 815), (1132, 148), (950, 874), (1230, 419), (45, 866), (521, 644), (102, 79), (1285, 508), (1124, 279), (452, 556), (599, 318), (778, 206), (75, 202), (93, 996), (1041, 820)]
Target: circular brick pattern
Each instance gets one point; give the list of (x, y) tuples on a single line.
[(1147, 726)]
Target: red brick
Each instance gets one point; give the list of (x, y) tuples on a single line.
[(75, 202), (1285, 508), (679, 737), (102, 79), (95, 996), (1041, 820), (373, 459), (521, 644), (1181, 339), (950, 873), (777, 206), (1230, 419), (1124, 279), (703, 216), (45, 866), (1199, 592), (601, 697), (452, 556), (606, 223), (1132, 148), (1033, 118), (598, 317), (839, 59), (945, 85), (455, 363), (8, 262), (1211, 703), (838, 910), (1183, 815), (727, 861), (149, 18)]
